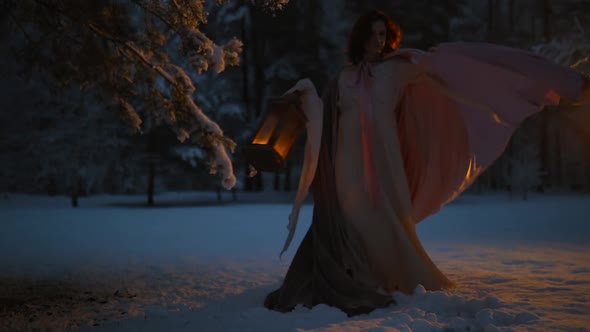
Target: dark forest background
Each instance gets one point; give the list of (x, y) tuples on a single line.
[(58, 138)]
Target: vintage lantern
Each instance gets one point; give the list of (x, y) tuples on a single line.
[(278, 131)]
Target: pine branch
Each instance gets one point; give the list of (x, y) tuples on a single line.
[(176, 4), (130, 51), (146, 7), (21, 28), (129, 45), (579, 25)]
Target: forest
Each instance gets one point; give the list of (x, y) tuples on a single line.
[(142, 97)]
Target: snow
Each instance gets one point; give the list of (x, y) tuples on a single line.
[(193, 264), (192, 154)]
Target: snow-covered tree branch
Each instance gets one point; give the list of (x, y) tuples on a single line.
[(140, 57)]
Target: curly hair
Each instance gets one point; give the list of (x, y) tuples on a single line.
[(361, 33)]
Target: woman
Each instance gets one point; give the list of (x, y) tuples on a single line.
[(397, 135)]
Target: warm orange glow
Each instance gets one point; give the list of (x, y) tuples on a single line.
[(585, 98), (552, 97), (274, 139), (469, 169), (264, 135), (472, 171), (286, 140)]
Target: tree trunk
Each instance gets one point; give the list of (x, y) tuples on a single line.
[(258, 45), (533, 26), (277, 184), (248, 180), (511, 16), (52, 186), (151, 183), (497, 175), (288, 176), (483, 182), (75, 198), (245, 64), (491, 17), (582, 135), (558, 159), (75, 193), (545, 160), (509, 168), (258, 183), (547, 19)]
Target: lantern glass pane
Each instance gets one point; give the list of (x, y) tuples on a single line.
[(265, 132), (286, 140)]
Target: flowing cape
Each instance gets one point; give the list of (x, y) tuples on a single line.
[(455, 116)]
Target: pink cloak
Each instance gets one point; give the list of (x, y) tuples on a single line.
[(389, 145), (455, 117)]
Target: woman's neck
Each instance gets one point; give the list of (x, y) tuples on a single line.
[(372, 57)]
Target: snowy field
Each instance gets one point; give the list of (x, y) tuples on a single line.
[(193, 265)]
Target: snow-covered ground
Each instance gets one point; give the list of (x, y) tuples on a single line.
[(115, 265)]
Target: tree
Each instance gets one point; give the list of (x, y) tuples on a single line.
[(569, 45), (137, 58), (524, 170), (525, 24), (63, 146), (273, 58)]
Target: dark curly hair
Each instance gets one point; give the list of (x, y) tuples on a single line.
[(361, 32)]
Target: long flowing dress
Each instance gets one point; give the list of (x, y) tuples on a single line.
[(391, 143)]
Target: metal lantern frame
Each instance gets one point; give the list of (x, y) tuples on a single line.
[(280, 127)]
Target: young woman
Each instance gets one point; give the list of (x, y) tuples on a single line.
[(399, 133)]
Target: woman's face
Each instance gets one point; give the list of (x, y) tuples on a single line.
[(376, 41)]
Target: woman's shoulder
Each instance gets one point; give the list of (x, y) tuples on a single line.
[(400, 57), (347, 67), (346, 73)]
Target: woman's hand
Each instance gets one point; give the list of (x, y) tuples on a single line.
[(304, 86)]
